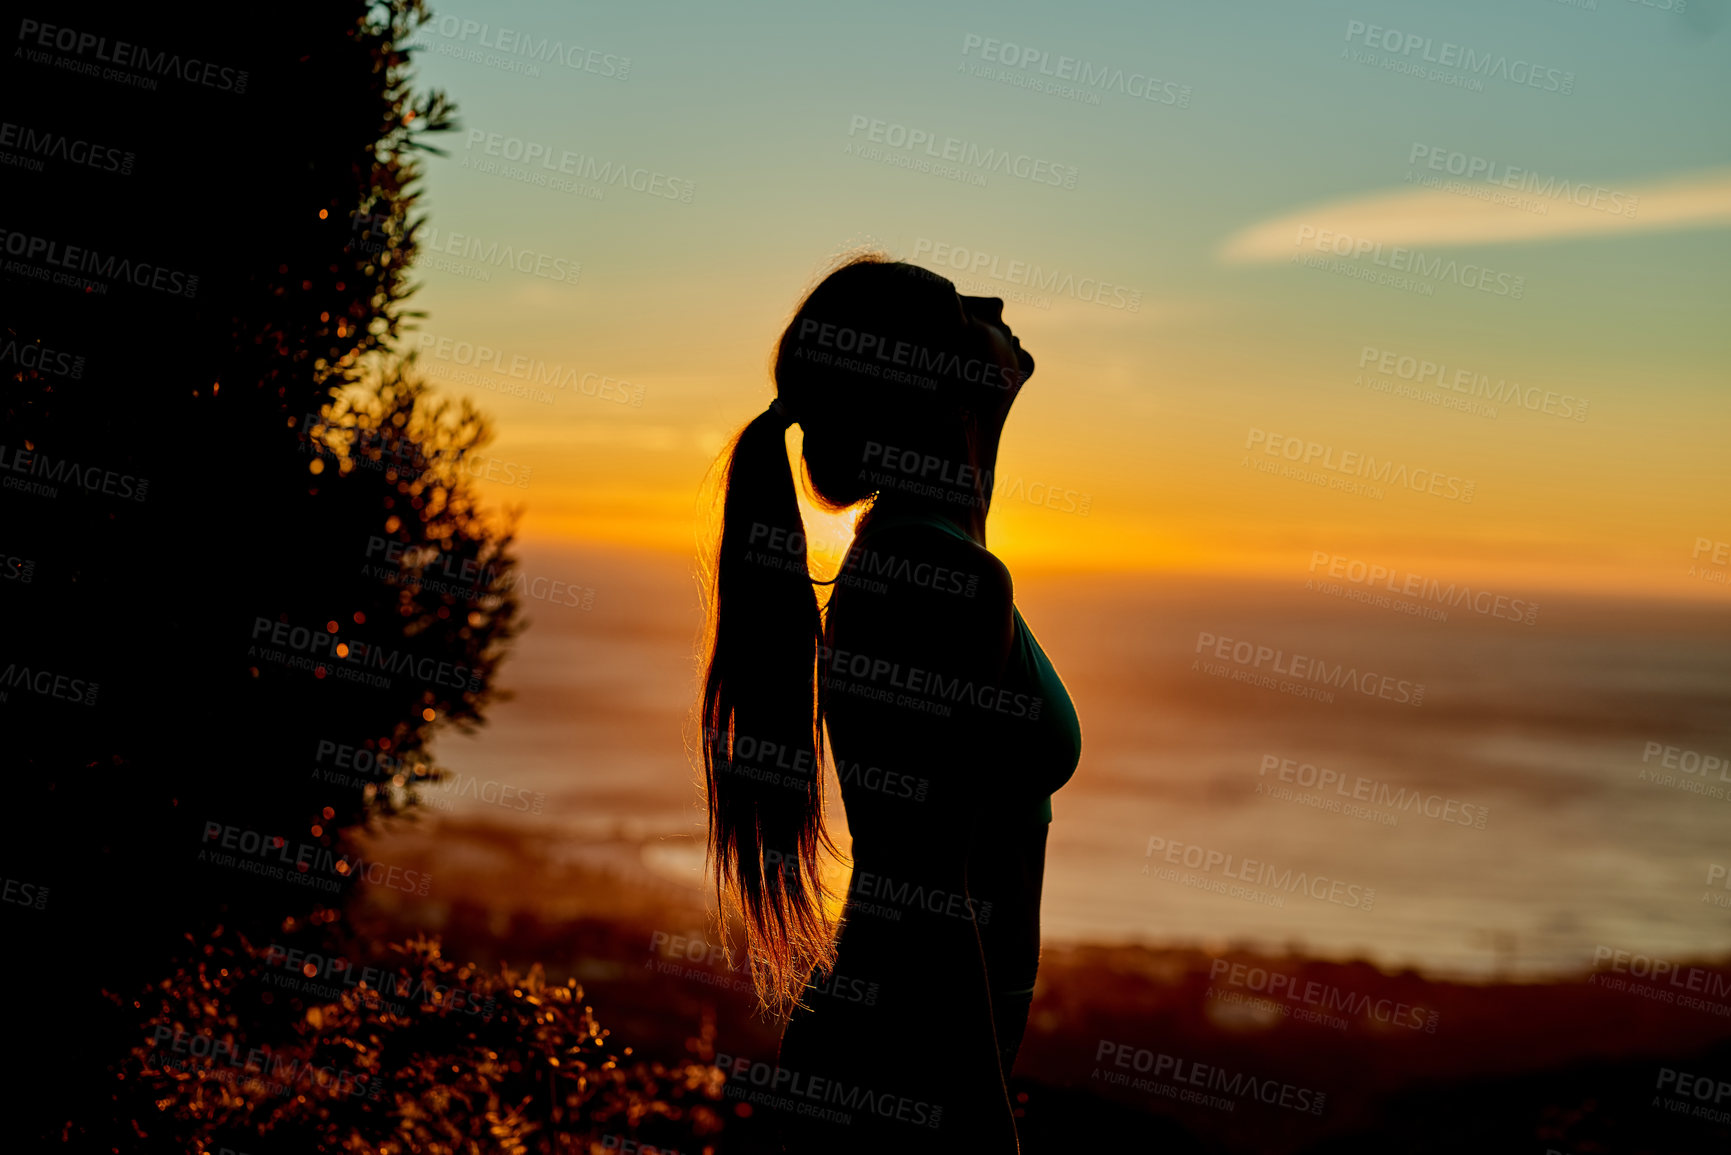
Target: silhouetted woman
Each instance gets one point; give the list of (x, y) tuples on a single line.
[(949, 727)]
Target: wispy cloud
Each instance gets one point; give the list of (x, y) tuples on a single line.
[(1468, 214)]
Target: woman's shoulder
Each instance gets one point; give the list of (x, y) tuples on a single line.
[(921, 560), (919, 595)]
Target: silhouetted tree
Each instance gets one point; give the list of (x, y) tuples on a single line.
[(226, 500)]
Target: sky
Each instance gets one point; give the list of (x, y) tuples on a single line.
[(1307, 266)]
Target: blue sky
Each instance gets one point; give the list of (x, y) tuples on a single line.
[(1145, 411)]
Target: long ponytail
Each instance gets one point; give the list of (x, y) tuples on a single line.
[(761, 719)]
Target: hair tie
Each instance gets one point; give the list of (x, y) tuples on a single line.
[(780, 410)]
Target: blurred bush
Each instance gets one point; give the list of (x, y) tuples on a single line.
[(292, 1048)]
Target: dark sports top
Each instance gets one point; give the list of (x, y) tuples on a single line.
[(1039, 755)]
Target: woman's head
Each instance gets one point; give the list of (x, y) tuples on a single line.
[(898, 385), (883, 353)]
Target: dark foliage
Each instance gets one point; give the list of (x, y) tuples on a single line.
[(236, 572), (267, 1049)]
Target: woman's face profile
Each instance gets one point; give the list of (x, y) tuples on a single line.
[(984, 316)]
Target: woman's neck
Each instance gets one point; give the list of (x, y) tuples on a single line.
[(962, 500), (970, 519)]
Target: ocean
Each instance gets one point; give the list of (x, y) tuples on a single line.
[(1454, 791)]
